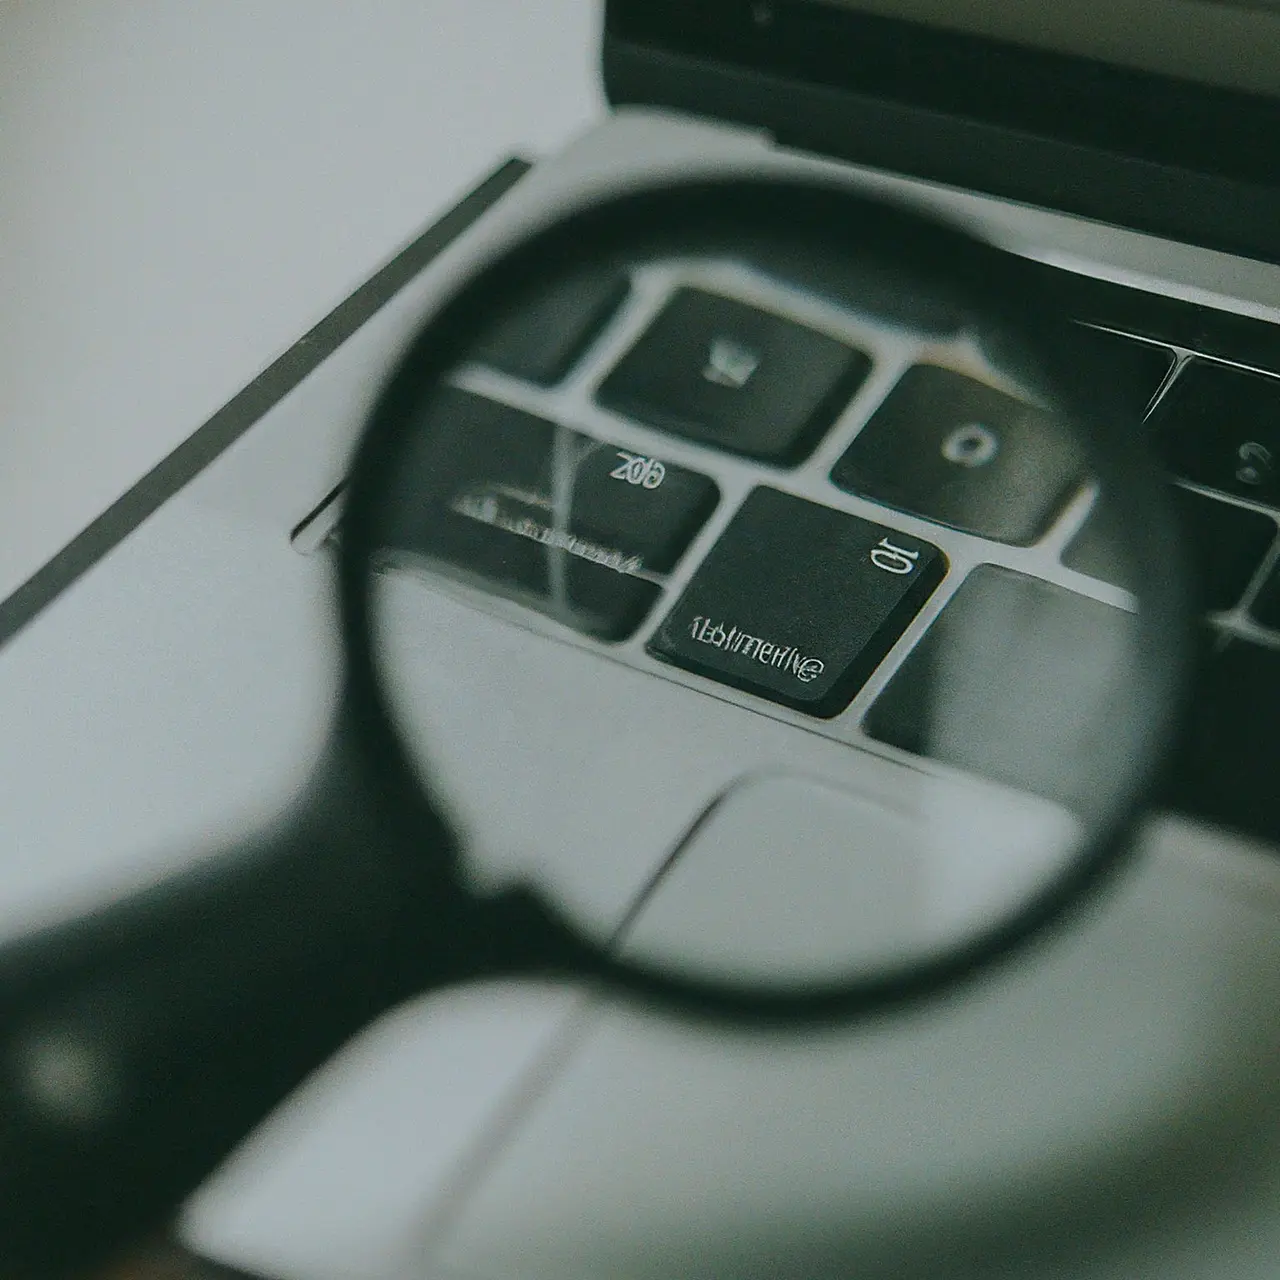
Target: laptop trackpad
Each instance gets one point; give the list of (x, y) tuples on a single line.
[(787, 879)]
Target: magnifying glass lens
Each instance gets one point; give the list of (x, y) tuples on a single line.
[(720, 592)]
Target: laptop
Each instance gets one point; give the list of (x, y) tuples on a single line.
[(1103, 1108)]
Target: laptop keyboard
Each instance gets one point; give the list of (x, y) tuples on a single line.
[(736, 376), (949, 448), (1212, 411), (783, 557)]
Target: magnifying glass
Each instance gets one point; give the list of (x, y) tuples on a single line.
[(708, 635)]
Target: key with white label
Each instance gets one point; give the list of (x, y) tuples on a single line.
[(1219, 426), (798, 603), (575, 527)]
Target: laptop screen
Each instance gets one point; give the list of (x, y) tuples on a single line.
[(1230, 43)]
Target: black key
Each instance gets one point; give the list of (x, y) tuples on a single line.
[(1266, 608), (1220, 427), (469, 457), (1098, 548), (657, 507), (733, 376), (1224, 544), (952, 449), (1131, 371), (543, 341), (480, 492), (1007, 684), (1228, 759), (798, 603), (859, 285)]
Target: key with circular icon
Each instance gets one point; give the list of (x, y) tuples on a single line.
[(957, 451), (972, 444)]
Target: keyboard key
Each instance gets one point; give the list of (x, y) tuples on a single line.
[(656, 507), (1220, 427), (1224, 544), (1096, 549), (1010, 683), (798, 603), (1132, 371), (952, 449), (480, 494), (1228, 758), (726, 374), (543, 341)]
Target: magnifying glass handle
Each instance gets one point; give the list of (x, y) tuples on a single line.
[(139, 1045)]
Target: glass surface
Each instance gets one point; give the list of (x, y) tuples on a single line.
[(747, 641)]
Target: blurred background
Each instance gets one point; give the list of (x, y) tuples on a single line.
[(186, 189)]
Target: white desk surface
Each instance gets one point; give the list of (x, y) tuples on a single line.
[(185, 189)]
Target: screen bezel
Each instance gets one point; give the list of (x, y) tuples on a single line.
[(1181, 159), (1234, 44)]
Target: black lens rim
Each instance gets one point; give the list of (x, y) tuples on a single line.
[(985, 280)]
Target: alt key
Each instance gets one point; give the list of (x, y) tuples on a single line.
[(798, 603)]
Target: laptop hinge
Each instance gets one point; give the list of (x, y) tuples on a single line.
[(1219, 210)]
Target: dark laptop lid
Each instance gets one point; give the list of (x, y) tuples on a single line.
[(1176, 156)]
